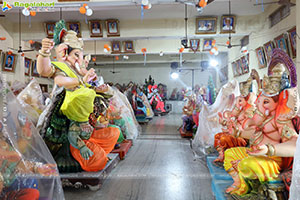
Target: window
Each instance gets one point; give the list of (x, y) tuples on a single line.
[(279, 15)]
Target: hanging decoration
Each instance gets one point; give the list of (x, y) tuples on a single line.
[(161, 53), (2, 38), (117, 57), (146, 5), (106, 48), (202, 3), (144, 51), (85, 10), (214, 50), (180, 55), (125, 57), (244, 50), (26, 12)]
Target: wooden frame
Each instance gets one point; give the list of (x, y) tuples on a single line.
[(268, 47), (228, 23), (74, 26), (281, 43), (115, 47), (27, 66), (207, 44), (293, 42), (261, 58), (206, 25), (128, 47), (9, 62), (245, 64), (112, 27), (95, 31), (44, 87), (49, 28), (34, 69)]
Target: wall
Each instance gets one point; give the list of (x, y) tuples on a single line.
[(260, 33), (137, 73)]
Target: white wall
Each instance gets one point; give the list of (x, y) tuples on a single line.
[(137, 73), (260, 33)]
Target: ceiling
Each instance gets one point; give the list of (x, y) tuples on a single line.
[(131, 9)]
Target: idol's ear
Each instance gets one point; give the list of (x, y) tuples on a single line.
[(288, 104)]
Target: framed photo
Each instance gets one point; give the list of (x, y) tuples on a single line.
[(260, 54), (44, 88), (74, 26), (95, 27), (34, 69), (228, 23), (234, 69), (128, 47), (206, 25), (239, 67), (223, 76), (27, 64), (268, 47), (50, 26), (9, 62), (115, 47), (112, 27), (293, 41), (207, 44), (245, 64), (281, 42)]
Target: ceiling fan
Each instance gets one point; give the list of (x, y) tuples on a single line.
[(280, 2), (192, 2), (229, 45), (20, 50), (113, 70)]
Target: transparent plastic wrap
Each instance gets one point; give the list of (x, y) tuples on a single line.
[(17, 87), (31, 99), (209, 121), (27, 168), (295, 185), (120, 100)]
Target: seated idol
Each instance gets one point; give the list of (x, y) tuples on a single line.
[(271, 132), (88, 146)]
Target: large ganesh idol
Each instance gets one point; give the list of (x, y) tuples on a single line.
[(67, 129), (209, 125), (271, 131), (234, 120)]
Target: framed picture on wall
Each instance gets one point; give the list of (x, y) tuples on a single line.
[(268, 47), (115, 47), (234, 69), (206, 25), (50, 26), (260, 54), (207, 44), (9, 62), (34, 69), (74, 26), (239, 67), (194, 44), (44, 87), (95, 27), (128, 47), (112, 27), (245, 64), (223, 76), (281, 43), (228, 24), (27, 64), (293, 42)]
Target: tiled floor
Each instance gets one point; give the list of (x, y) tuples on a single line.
[(160, 166)]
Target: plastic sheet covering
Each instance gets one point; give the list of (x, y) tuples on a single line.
[(209, 120), (26, 165), (133, 127), (31, 99), (17, 87), (295, 186)]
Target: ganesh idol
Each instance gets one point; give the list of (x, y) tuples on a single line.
[(70, 117), (233, 121), (271, 131)]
